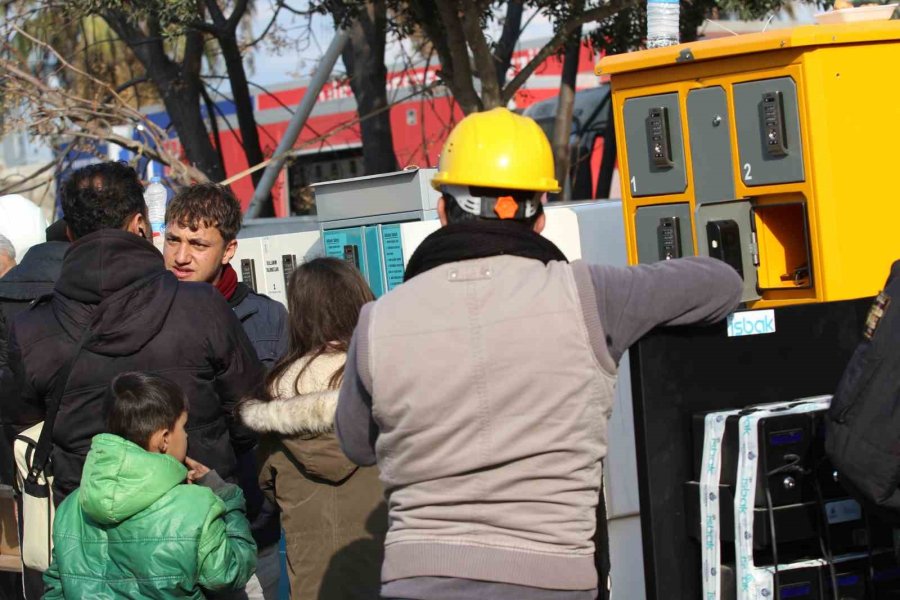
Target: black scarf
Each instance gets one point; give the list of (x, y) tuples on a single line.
[(479, 239)]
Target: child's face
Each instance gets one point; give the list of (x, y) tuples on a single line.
[(177, 439)]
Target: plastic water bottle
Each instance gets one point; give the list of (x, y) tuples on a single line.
[(155, 197), (662, 23)]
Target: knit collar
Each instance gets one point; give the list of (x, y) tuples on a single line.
[(480, 239)]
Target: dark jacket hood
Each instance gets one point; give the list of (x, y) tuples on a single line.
[(115, 282), (36, 274)]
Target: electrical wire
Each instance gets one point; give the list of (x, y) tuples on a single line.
[(825, 544), (792, 465), (771, 512)]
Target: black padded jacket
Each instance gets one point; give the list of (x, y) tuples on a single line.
[(141, 319)]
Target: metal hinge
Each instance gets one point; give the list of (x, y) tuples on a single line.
[(754, 249)]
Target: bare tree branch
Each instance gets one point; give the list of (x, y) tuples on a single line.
[(13, 188), (556, 42), (56, 112), (268, 27), (300, 13)]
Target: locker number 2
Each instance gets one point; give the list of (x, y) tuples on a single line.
[(747, 175)]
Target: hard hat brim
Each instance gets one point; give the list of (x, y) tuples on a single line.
[(551, 186)]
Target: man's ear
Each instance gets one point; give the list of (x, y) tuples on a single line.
[(70, 234), (230, 249), (138, 225), (540, 222), (442, 211)]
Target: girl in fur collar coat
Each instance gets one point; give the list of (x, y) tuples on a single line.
[(332, 511)]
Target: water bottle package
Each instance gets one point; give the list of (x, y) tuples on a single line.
[(156, 196)]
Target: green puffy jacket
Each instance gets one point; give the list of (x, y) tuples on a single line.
[(134, 530)]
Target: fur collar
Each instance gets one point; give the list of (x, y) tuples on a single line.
[(306, 413)]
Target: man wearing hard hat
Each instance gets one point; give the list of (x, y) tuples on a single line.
[(483, 386)]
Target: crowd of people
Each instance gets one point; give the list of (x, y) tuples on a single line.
[(439, 443)]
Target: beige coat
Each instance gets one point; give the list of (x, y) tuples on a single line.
[(332, 511)]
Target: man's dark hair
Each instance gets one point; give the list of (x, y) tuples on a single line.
[(455, 213), (206, 205), (102, 196), (140, 404)]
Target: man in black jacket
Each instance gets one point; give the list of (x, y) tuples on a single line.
[(202, 223), (140, 317), (34, 276)]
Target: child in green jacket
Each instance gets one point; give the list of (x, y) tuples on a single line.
[(142, 525)]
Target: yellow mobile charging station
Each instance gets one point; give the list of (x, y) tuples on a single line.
[(776, 152)]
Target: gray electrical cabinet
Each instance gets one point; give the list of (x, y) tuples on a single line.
[(269, 250), (361, 221), (768, 131), (655, 146), (710, 133)]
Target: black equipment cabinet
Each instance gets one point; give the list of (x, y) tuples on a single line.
[(679, 371)]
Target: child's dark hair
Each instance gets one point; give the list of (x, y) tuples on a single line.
[(139, 405)]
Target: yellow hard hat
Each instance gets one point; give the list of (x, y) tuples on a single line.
[(497, 149)]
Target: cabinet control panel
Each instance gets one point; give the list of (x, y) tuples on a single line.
[(248, 272), (660, 144), (668, 235), (775, 140)]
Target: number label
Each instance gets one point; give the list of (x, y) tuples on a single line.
[(633, 184), (747, 170)]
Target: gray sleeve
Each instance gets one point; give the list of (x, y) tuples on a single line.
[(213, 481), (353, 423), (633, 300)]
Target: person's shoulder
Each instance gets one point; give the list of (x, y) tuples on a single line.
[(263, 302), (36, 318)]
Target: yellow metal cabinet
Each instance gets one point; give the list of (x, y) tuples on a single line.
[(778, 152)]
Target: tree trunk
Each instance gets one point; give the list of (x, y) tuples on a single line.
[(512, 28), (182, 102), (364, 60), (213, 124), (243, 102), (178, 86), (461, 82), (484, 59), (608, 161), (562, 127)]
